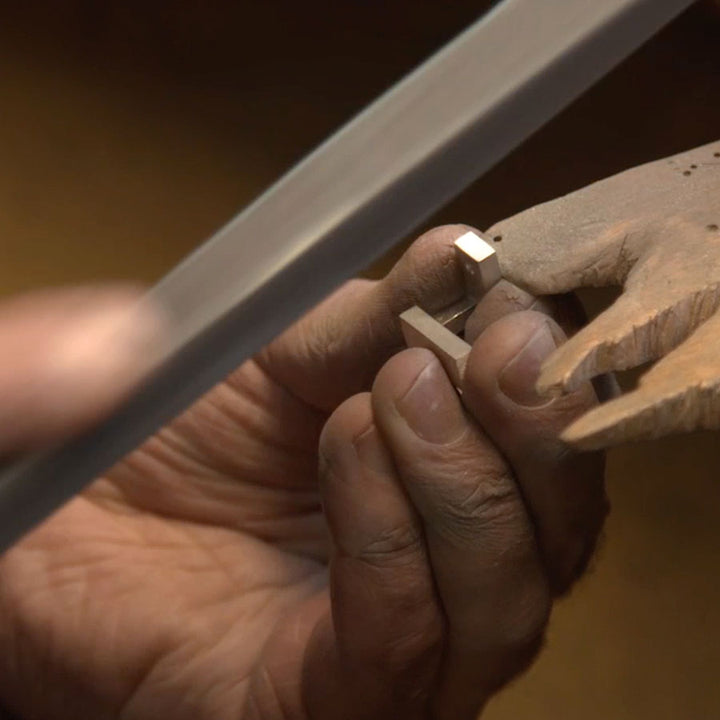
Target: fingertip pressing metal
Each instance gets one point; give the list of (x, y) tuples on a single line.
[(438, 332)]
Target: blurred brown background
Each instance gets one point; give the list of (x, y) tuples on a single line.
[(130, 130)]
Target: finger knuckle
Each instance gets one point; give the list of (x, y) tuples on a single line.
[(477, 499), (394, 546), (486, 497), (568, 565), (352, 417), (517, 629), (527, 616), (414, 654), (568, 545)]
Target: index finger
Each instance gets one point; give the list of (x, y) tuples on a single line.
[(336, 350)]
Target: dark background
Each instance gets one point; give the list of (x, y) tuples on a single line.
[(130, 130)]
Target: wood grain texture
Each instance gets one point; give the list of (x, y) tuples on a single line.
[(654, 230)]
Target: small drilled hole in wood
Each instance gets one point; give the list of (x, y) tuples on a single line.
[(713, 227), (693, 167), (687, 172), (497, 238), (716, 155)]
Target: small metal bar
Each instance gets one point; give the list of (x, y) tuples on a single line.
[(422, 330), (480, 268), (479, 263)]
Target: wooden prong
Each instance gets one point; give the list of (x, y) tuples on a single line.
[(422, 330), (479, 263)]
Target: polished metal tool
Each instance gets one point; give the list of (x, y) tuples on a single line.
[(362, 190)]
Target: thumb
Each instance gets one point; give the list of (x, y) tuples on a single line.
[(68, 356)]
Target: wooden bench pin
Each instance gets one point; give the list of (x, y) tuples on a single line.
[(438, 332)]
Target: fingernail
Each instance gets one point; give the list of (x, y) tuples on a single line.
[(372, 453), (517, 379), (431, 406)]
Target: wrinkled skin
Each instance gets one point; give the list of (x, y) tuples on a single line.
[(218, 573)]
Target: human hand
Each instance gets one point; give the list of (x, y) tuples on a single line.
[(210, 575), (68, 356), (655, 231)]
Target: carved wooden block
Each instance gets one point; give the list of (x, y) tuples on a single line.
[(655, 231)]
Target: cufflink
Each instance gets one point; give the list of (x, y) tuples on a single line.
[(441, 332)]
